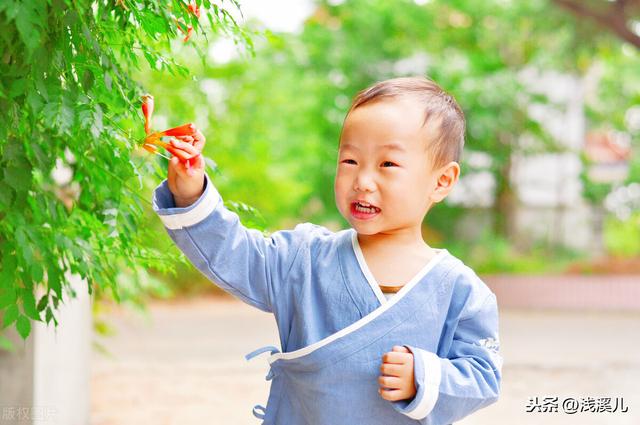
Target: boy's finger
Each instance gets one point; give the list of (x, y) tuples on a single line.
[(394, 357), (187, 171), (391, 395), (181, 154), (172, 164), (198, 162), (391, 382), (178, 166), (400, 349), (198, 140), (186, 139), (174, 168), (391, 369), (187, 147)]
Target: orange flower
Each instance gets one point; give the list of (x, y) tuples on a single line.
[(147, 110), (153, 140), (188, 33), (194, 9), (183, 130)]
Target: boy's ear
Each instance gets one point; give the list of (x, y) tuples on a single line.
[(447, 176)]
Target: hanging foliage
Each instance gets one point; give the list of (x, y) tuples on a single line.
[(70, 136)]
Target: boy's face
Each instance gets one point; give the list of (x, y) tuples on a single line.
[(383, 160)]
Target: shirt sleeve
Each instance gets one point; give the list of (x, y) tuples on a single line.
[(468, 379), (241, 261)]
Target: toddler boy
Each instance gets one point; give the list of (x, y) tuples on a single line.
[(375, 326)]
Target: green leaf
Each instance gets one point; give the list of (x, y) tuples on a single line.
[(9, 265), (10, 315), (107, 81), (29, 305), (42, 304), (35, 101), (87, 80), (23, 325), (96, 126), (7, 297), (28, 23), (10, 8), (59, 113), (6, 195), (51, 317), (18, 174), (37, 273), (17, 88), (54, 281)]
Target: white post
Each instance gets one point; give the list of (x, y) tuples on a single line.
[(45, 381), (61, 361)]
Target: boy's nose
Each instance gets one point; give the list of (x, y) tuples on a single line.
[(364, 183)]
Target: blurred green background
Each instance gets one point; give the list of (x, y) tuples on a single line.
[(551, 97), (550, 178)]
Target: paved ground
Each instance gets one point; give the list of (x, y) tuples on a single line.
[(184, 365)]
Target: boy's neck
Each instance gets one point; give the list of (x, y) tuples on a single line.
[(399, 241)]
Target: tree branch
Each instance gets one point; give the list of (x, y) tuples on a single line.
[(612, 16)]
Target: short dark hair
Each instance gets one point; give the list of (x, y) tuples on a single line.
[(438, 105)]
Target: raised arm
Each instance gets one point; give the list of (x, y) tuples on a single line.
[(239, 260)]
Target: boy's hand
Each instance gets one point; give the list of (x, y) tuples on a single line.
[(186, 184), (396, 382)]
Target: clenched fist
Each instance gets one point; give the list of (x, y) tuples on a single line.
[(397, 382)]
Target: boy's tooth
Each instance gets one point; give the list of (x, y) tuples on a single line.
[(365, 209)]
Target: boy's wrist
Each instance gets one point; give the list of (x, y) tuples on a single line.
[(185, 201)]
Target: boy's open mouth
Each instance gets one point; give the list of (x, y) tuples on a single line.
[(363, 210)]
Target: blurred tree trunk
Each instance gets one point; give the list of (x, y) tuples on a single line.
[(611, 15), (505, 202)]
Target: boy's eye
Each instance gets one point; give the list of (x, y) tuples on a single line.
[(347, 160), (388, 162)]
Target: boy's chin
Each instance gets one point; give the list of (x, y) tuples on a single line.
[(364, 228)]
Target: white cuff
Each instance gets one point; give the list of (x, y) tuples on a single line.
[(432, 376), (175, 219)]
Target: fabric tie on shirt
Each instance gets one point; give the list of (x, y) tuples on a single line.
[(258, 410)]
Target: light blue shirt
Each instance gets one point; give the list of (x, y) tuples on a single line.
[(335, 323)]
